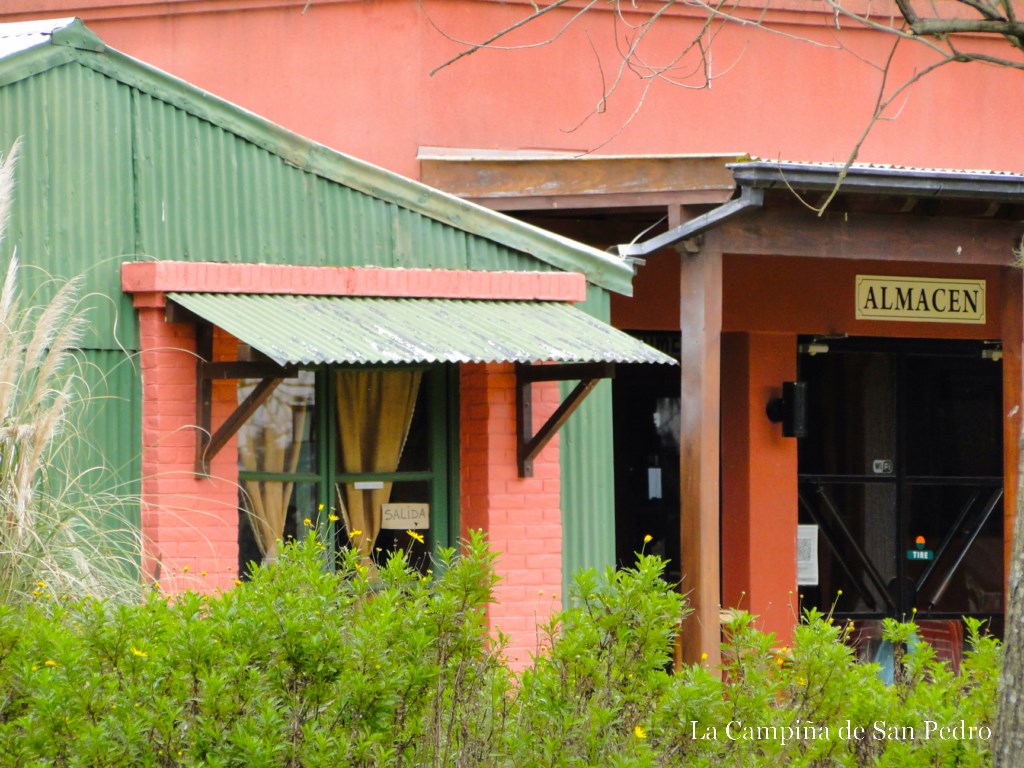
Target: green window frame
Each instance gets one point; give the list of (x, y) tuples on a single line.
[(439, 396)]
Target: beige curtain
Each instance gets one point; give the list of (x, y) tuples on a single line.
[(375, 409), (271, 442)]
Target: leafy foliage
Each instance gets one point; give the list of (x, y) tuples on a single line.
[(309, 666)]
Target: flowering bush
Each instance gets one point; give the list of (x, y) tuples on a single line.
[(309, 666)]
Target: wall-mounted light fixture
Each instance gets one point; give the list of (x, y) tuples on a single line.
[(790, 410)]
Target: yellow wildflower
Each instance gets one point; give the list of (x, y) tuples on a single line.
[(307, 522), (648, 539), (50, 663), (137, 652), (639, 732), (704, 657), (333, 517), (416, 536), (356, 532)]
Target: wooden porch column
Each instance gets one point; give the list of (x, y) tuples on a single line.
[(700, 320)]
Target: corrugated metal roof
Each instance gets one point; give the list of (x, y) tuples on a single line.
[(310, 330), (22, 35)]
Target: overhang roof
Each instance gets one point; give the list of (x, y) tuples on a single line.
[(759, 182), (880, 180), (29, 48), (313, 330)]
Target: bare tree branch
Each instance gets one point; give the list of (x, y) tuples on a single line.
[(489, 42)]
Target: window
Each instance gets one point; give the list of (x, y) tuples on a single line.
[(363, 454)]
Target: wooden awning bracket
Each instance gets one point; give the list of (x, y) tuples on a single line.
[(209, 442), (528, 444)]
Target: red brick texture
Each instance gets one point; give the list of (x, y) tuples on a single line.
[(521, 516), (189, 524)]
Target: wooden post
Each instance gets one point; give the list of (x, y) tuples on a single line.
[(701, 326)]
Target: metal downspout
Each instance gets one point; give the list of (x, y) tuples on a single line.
[(750, 197)]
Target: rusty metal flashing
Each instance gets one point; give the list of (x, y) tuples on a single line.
[(511, 180)]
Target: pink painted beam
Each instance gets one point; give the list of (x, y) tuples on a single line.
[(202, 277)]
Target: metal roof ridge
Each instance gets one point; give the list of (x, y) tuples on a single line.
[(601, 268)]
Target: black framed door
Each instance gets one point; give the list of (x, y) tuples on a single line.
[(646, 425), (901, 478)]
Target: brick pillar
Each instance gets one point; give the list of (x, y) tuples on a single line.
[(521, 516), (189, 525)]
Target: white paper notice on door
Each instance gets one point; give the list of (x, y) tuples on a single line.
[(654, 482), (807, 555)]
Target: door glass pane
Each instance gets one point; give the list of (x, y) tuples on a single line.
[(278, 439), (382, 427), (856, 564), (279, 436), (273, 511), (850, 414), (965, 575), (953, 416), (399, 507)]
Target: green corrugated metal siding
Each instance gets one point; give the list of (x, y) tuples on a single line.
[(98, 462), (73, 199), (110, 422), (207, 195), (588, 490)]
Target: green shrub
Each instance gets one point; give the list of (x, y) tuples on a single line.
[(305, 666)]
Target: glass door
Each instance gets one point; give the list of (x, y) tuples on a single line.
[(901, 478)]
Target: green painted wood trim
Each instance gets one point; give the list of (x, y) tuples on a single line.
[(32, 62)]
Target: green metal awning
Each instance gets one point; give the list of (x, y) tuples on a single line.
[(310, 330)]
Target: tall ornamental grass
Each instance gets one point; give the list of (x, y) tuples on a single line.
[(53, 530)]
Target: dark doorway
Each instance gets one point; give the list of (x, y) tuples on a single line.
[(646, 423), (901, 479)]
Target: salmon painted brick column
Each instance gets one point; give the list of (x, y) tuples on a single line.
[(522, 517), (189, 524)]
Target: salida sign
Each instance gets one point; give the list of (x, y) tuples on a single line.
[(920, 299)]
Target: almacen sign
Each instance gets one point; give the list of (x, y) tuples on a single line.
[(920, 299)]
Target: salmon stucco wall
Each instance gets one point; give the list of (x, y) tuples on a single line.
[(521, 516), (805, 94)]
